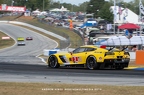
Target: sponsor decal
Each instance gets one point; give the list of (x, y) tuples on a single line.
[(76, 59), (100, 58)]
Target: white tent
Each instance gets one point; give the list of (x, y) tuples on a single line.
[(62, 9), (36, 11), (123, 40), (55, 10)]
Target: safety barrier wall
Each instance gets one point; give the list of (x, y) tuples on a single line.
[(132, 55)]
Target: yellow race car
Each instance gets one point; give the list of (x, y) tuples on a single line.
[(91, 57), (20, 38)]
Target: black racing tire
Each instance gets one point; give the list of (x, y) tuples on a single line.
[(122, 67), (119, 68), (127, 62), (53, 62), (91, 63)]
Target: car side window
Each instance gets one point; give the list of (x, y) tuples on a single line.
[(81, 49), (90, 49), (78, 50)]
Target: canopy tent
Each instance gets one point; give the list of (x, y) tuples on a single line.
[(62, 9), (99, 42), (36, 11), (128, 26), (123, 40), (55, 10)]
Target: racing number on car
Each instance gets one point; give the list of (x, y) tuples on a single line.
[(76, 59)]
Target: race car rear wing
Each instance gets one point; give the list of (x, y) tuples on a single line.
[(123, 48)]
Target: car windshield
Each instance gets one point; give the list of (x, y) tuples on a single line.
[(78, 50)]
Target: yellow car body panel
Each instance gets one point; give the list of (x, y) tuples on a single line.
[(20, 39), (81, 54)]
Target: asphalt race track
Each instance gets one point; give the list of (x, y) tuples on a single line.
[(32, 48), (12, 72), (20, 64)]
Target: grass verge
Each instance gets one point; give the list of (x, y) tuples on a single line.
[(5, 42), (11, 88)]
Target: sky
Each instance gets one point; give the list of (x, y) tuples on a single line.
[(77, 2)]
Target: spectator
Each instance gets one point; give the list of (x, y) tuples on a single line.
[(138, 33), (134, 48), (126, 33)]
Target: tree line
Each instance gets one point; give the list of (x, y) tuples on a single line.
[(100, 8)]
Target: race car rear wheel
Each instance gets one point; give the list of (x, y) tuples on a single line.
[(91, 63), (125, 64), (53, 62), (119, 68)]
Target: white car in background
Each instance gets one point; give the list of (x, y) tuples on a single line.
[(97, 39), (20, 43)]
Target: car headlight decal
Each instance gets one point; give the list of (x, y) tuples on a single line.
[(64, 59)]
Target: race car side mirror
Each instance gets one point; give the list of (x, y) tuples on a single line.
[(71, 53), (103, 46)]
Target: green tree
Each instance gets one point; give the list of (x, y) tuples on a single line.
[(105, 12), (38, 4), (8, 2), (68, 6), (117, 1), (1, 1), (135, 5), (94, 6), (54, 5), (82, 7)]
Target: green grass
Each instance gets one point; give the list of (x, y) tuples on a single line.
[(5, 42), (75, 39), (12, 88)]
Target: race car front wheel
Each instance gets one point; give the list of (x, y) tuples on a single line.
[(91, 63), (53, 62)]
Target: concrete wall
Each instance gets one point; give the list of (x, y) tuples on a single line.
[(132, 55)]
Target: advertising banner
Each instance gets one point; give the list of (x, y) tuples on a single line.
[(13, 8)]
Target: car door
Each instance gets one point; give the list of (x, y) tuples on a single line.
[(79, 55)]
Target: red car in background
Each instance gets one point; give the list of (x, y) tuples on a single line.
[(29, 38)]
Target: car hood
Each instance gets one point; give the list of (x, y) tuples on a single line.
[(62, 53)]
